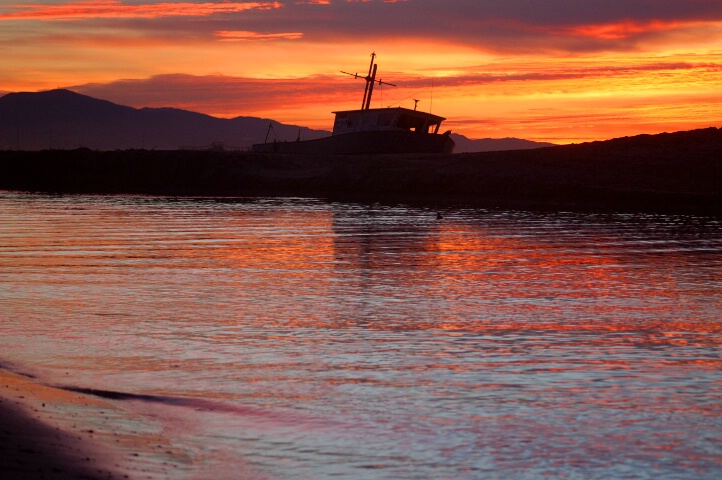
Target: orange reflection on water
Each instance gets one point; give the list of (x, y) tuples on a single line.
[(509, 336)]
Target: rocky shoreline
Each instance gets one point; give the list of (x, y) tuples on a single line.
[(672, 172)]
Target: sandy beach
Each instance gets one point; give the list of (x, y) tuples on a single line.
[(52, 433)]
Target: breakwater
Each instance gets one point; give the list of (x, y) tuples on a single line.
[(667, 172)]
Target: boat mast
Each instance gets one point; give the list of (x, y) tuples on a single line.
[(370, 81)]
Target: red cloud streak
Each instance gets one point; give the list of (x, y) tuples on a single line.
[(116, 9), (625, 29), (242, 35)]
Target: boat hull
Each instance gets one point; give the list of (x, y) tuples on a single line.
[(368, 142)]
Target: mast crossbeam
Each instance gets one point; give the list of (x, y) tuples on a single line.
[(370, 82)]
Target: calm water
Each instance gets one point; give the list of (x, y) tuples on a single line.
[(306, 339)]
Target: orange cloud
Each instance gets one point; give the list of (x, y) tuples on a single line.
[(566, 74), (625, 29), (242, 35), (116, 9), (558, 100)]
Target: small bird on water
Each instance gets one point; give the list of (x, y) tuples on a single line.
[(439, 216)]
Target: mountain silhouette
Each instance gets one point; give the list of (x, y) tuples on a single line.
[(62, 119), (468, 145)]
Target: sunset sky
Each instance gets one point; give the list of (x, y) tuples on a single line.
[(548, 70)]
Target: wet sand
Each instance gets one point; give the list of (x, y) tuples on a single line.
[(32, 444), (51, 433), (672, 172)]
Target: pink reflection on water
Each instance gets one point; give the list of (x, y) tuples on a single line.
[(314, 336)]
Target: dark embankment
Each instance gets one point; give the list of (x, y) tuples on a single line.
[(677, 172)]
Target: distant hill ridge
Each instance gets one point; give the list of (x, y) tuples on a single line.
[(62, 119)]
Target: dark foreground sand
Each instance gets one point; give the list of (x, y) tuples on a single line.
[(676, 172), (32, 447), (51, 433)]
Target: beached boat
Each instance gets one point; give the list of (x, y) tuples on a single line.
[(373, 130)]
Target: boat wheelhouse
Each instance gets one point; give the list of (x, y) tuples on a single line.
[(386, 119)]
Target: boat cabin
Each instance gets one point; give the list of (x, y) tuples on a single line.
[(386, 119)]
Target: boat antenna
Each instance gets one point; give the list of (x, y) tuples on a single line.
[(370, 81), (431, 103), (406, 97), (416, 102)]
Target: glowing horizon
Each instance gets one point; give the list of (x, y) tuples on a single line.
[(567, 74)]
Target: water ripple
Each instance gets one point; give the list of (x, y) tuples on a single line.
[(375, 341)]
